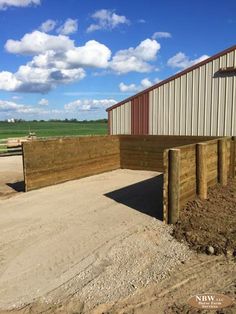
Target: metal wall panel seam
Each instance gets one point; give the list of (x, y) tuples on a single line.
[(218, 103), (199, 102), (212, 99), (174, 108), (205, 103), (233, 123), (170, 99), (226, 106), (192, 112), (181, 106), (186, 114)]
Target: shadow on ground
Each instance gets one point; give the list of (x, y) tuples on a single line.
[(145, 196), (18, 186)]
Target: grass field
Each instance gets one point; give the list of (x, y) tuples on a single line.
[(48, 129)]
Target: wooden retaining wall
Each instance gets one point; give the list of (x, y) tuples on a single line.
[(145, 152), (141, 153), (198, 166), (190, 164), (48, 162)]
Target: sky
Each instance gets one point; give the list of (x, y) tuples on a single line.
[(74, 58)]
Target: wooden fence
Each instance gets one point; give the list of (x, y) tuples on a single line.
[(9, 150), (190, 164), (192, 169), (48, 162)]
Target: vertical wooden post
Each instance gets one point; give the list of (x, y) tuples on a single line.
[(222, 162), (232, 156), (24, 166), (173, 186), (165, 185), (202, 170)]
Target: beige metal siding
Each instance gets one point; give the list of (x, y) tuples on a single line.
[(200, 102), (121, 119)]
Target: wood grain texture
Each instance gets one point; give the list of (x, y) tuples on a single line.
[(201, 170), (222, 161), (212, 163), (48, 162), (188, 184), (174, 186), (141, 153)]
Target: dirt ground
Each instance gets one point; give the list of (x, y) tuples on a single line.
[(96, 245), (211, 222), (95, 238), (11, 176), (199, 274)]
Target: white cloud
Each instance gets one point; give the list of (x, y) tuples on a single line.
[(157, 35), (10, 106), (145, 83), (141, 21), (18, 110), (4, 4), (127, 87), (38, 80), (38, 42), (92, 54), (56, 60), (8, 81), (13, 109), (16, 97), (48, 26), (135, 59), (106, 19), (43, 102), (89, 104), (181, 61), (69, 27)]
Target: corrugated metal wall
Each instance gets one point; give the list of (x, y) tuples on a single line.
[(140, 114), (200, 102), (120, 119)]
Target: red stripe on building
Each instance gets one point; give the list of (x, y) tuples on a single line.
[(109, 122), (139, 114)]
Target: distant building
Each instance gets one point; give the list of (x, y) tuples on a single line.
[(200, 100), (11, 120)]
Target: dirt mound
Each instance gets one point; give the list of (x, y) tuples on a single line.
[(210, 226)]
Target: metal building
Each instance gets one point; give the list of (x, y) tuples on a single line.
[(200, 100)]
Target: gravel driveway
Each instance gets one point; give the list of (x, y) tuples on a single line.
[(97, 239)]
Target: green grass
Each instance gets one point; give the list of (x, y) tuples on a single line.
[(49, 129)]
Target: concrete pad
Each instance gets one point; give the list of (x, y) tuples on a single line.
[(89, 238)]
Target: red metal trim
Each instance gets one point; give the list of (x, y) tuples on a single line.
[(173, 77), (139, 114), (109, 122)]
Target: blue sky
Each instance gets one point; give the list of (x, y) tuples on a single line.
[(73, 59)]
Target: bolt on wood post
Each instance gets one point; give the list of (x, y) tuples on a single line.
[(201, 163), (232, 156), (174, 186), (222, 161)]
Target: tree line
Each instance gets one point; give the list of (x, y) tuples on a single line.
[(60, 120)]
